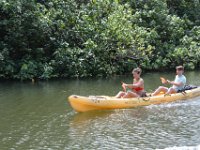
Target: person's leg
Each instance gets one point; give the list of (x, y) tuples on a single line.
[(120, 94), (171, 91), (160, 89), (130, 94)]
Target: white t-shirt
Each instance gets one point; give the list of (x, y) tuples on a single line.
[(181, 79)]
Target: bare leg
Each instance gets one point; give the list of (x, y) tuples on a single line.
[(160, 89), (120, 94), (170, 91), (130, 94)]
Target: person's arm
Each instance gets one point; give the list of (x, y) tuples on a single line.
[(140, 83), (175, 83)]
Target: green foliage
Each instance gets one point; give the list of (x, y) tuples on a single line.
[(69, 38), (189, 50)]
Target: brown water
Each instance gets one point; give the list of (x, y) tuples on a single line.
[(38, 116)]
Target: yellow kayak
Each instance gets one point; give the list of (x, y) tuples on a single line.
[(83, 104)]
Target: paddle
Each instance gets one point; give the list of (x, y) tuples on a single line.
[(163, 80)]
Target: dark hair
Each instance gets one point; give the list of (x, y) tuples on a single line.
[(137, 70), (179, 68)]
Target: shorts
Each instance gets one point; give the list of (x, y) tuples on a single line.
[(142, 94)]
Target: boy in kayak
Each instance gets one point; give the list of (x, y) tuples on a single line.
[(177, 84), (137, 88)]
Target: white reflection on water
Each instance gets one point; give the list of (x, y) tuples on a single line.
[(182, 148)]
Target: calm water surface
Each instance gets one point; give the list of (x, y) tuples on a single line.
[(38, 116)]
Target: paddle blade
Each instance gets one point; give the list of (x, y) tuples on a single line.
[(163, 80)]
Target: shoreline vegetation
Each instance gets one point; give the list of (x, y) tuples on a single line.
[(48, 39)]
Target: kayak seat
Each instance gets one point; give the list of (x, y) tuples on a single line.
[(187, 87)]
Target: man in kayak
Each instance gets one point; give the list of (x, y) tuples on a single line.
[(136, 89), (177, 84)]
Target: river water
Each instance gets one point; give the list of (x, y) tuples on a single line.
[(38, 116)]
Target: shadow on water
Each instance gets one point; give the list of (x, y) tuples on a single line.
[(134, 113), (81, 118)]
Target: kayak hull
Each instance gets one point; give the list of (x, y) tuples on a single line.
[(83, 103)]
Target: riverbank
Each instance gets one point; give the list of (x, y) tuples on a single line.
[(45, 40)]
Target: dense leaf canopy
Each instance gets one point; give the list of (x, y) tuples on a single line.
[(68, 38)]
